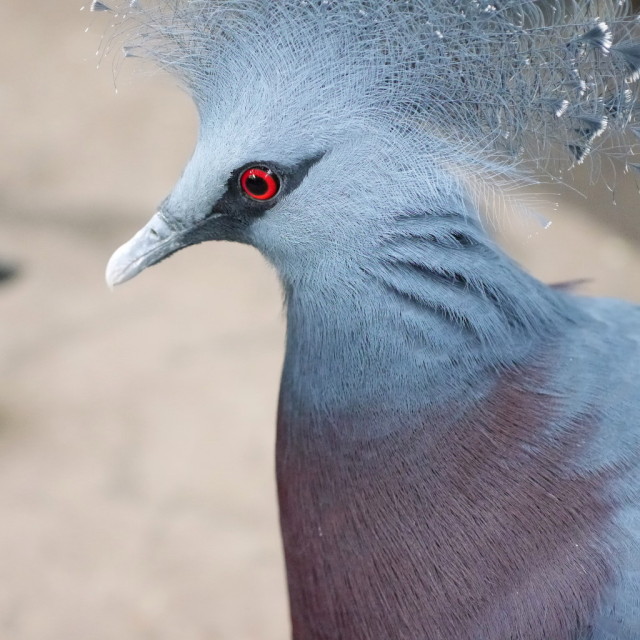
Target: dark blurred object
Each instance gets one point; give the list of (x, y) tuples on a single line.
[(7, 272)]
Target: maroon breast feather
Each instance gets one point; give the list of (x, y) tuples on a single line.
[(486, 530)]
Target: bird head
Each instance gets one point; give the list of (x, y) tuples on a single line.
[(306, 149), (322, 122)]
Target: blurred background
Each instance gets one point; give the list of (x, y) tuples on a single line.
[(137, 498)]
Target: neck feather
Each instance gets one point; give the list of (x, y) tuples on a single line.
[(436, 313)]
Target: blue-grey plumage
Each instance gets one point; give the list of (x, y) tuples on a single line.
[(457, 443)]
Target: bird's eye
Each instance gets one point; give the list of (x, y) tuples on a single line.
[(260, 183)]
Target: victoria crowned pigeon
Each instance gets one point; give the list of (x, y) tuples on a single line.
[(458, 444)]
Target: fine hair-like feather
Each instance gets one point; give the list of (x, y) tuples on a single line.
[(489, 87)]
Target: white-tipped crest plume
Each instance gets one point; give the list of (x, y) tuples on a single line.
[(491, 88)]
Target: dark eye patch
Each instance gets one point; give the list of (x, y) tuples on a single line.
[(237, 202)]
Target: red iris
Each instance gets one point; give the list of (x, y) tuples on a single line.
[(259, 183)]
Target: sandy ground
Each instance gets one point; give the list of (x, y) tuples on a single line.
[(136, 428)]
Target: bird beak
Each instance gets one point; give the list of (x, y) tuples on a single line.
[(154, 242)]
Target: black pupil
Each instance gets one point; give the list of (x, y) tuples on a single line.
[(257, 185)]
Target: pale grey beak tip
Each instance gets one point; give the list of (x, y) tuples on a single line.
[(150, 245)]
